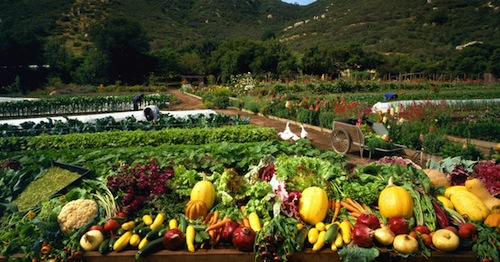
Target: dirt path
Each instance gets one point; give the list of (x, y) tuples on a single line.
[(319, 136)]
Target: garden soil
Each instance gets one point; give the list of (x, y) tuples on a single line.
[(318, 136)]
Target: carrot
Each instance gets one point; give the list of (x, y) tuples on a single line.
[(246, 222), (219, 224), (215, 217), (336, 209), (355, 214), (207, 219), (366, 208), (354, 204), (218, 235), (242, 208), (212, 236), (348, 206)]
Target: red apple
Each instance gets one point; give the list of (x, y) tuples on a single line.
[(445, 240)]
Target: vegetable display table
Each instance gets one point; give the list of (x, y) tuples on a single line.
[(230, 255)]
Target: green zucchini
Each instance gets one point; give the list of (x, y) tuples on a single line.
[(150, 248), (111, 243), (301, 238), (162, 232), (143, 231), (200, 227), (183, 223), (331, 233), (138, 227), (197, 237), (120, 231), (153, 234), (104, 246)]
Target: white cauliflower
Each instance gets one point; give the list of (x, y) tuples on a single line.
[(76, 214)]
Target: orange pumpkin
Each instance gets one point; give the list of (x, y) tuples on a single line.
[(195, 209), (493, 219)]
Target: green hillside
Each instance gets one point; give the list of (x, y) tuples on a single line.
[(417, 27), (391, 36), (393, 26)]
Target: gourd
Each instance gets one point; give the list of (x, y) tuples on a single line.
[(468, 204), (453, 189), (475, 186), (395, 201), (205, 191), (493, 219), (313, 205), (446, 202), (437, 178), (195, 209)]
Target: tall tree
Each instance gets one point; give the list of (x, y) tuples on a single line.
[(125, 45)]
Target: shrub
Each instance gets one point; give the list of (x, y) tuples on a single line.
[(278, 88), (251, 104), (433, 143), (326, 119), (218, 99), (468, 151), (307, 116)]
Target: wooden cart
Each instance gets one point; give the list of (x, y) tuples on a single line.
[(345, 133)]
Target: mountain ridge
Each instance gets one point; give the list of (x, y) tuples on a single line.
[(387, 26)]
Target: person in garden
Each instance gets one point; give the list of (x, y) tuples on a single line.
[(389, 96), (151, 113), (137, 100)]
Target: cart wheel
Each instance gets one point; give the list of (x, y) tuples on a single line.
[(341, 141)]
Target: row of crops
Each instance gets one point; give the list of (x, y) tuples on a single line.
[(78, 105), (73, 125)]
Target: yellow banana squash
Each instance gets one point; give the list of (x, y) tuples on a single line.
[(468, 204)]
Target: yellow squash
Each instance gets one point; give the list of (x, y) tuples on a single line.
[(468, 204), (437, 178), (475, 186), (452, 189), (313, 205), (205, 191), (395, 201), (445, 201)]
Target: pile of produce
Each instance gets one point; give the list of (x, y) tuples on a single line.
[(279, 207)]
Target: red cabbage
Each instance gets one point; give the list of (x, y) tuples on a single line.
[(489, 174)]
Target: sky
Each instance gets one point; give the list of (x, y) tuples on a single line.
[(300, 2)]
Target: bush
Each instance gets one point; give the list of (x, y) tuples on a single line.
[(408, 134), (252, 104), (326, 119), (218, 99), (433, 143), (278, 88), (468, 152), (308, 116)]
